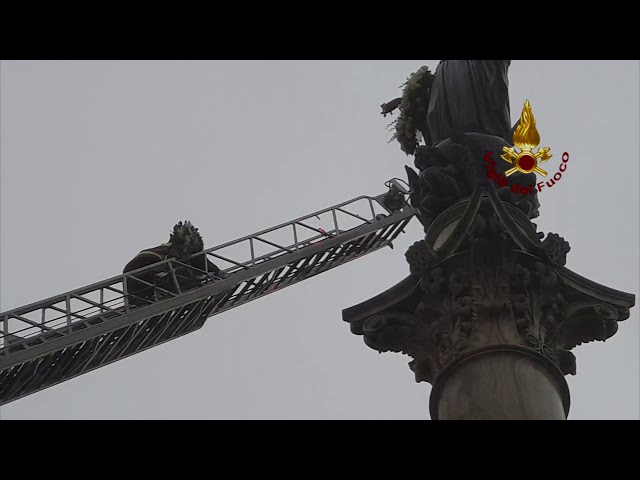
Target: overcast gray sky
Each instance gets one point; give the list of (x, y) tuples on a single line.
[(100, 158)]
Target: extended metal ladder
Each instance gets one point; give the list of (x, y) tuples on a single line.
[(54, 340)]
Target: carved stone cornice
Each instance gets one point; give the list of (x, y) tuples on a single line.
[(483, 277)]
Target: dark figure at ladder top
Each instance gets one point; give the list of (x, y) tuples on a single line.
[(184, 241)]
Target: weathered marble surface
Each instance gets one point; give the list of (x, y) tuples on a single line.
[(499, 386)]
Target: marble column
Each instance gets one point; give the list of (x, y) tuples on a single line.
[(489, 313)]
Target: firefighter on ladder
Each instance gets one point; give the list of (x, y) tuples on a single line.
[(184, 241)]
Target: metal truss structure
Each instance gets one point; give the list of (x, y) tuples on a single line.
[(62, 337)]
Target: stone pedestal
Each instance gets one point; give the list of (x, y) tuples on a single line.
[(490, 313)]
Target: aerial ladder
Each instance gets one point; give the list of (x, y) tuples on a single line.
[(57, 339)]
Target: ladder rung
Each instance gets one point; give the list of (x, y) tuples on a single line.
[(89, 342)]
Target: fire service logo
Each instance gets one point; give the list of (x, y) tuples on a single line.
[(523, 157)]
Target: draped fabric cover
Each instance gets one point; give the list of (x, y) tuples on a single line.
[(469, 96)]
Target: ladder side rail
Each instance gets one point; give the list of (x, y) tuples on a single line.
[(118, 279), (121, 279), (208, 289)]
